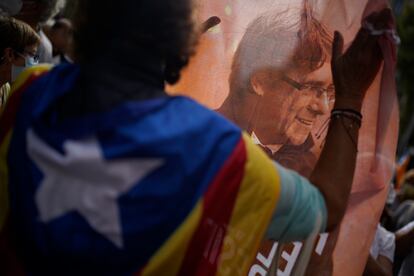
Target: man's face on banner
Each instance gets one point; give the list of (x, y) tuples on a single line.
[(290, 106)]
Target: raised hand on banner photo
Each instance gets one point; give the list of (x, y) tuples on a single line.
[(354, 70)]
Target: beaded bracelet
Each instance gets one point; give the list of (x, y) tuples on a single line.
[(354, 116), (349, 112)]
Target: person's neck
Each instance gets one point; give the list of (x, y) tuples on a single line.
[(139, 68), (106, 82), (270, 138), (241, 110), (272, 147)]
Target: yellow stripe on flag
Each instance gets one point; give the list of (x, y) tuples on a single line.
[(4, 191), (4, 146), (256, 202), (169, 257), (29, 72)]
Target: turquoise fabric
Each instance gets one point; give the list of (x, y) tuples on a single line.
[(299, 206)]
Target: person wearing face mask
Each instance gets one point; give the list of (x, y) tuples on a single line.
[(18, 48)]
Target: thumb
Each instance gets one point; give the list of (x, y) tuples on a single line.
[(337, 47), (210, 23)]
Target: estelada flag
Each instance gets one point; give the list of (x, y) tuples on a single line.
[(141, 189)]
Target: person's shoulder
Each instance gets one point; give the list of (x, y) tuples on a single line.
[(191, 126), (199, 116), (29, 75), (43, 79)]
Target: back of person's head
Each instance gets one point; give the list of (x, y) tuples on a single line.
[(35, 12), (128, 30), (50, 8), (16, 35), (293, 39), (60, 34), (60, 24)]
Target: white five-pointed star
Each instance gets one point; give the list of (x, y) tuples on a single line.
[(82, 180)]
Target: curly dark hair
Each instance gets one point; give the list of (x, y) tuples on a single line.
[(162, 28)]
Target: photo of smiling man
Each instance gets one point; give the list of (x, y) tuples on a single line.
[(278, 93)]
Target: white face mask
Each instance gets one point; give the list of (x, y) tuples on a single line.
[(17, 70)]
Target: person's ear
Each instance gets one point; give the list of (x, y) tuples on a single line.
[(257, 82), (8, 55)]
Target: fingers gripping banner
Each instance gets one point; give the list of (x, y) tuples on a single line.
[(266, 67)]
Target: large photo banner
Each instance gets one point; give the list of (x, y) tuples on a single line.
[(266, 67)]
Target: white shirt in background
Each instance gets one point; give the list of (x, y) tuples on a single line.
[(45, 50), (383, 244)]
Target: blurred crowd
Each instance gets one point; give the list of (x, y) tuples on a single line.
[(32, 32), (394, 240)]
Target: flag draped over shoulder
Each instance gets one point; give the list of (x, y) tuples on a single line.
[(8, 261), (156, 187)]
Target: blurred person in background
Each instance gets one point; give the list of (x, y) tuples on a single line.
[(404, 251), (381, 257), (392, 252), (399, 210), (407, 189), (35, 13), (18, 48), (61, 36)]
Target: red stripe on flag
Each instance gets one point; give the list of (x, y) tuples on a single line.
[(203, 253), (8, 117), (9, 264)]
